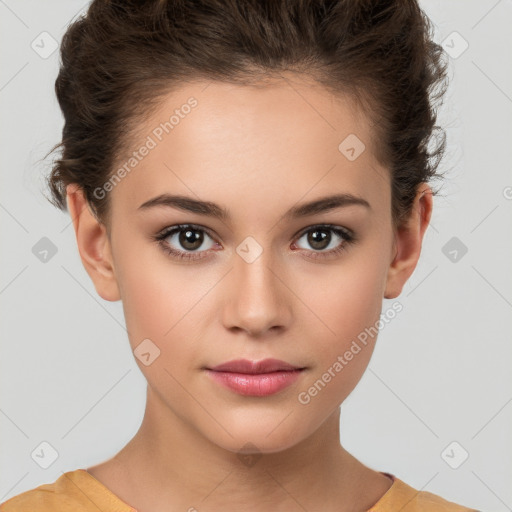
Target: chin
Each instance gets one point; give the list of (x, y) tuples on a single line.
[(258, 432)]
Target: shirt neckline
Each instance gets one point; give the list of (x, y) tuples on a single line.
[(113, 503), (122, 506)]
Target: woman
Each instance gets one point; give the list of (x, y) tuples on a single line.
[(251, 179)]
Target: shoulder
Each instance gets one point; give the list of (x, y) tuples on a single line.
[(405, 498), (75, 490), (46, 497)]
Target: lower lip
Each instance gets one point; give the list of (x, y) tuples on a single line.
[(262, 384)]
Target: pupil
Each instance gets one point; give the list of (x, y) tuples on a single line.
[(316, 240), (190, 236)]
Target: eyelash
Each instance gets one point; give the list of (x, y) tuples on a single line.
[(348, 236)]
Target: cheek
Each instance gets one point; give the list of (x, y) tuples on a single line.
[(346, 301), (160, 305), (154, 293), (347, 305), (354, 301), (149, 304), (164, 302)]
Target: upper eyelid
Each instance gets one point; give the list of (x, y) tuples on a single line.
[(334, 227), (167, 231)]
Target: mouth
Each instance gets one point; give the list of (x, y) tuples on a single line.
[(255, 367), (255, 378)]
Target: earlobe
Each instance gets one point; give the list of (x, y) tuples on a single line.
[(407, 243), (93, 244)]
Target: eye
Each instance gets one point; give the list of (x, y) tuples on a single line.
[(183, 242), (187, 238), (320, 239)]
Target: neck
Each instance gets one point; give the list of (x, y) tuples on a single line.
[(168, 462)]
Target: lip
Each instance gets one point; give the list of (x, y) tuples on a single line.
[(255, 378), (254, 367)]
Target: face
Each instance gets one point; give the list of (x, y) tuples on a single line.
[(268, 278)]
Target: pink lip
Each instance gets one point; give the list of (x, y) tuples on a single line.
[(252, 367), (255, 378)]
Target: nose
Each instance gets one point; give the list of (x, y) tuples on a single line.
[(257, 299)]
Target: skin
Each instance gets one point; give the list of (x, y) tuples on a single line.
[(256, 152)]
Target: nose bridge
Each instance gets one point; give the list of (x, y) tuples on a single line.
[(256, 297)]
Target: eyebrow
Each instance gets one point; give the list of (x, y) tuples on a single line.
[(208, 208)]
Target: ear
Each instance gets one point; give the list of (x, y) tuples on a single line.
[(93, 244), (407, 242)]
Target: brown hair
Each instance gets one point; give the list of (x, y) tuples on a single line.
[(122, 56)]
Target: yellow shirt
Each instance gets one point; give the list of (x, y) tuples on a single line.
[(79, 491)]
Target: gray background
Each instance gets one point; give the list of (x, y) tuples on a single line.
[(441, 369)]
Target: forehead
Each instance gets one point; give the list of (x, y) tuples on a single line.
[(286, 136)]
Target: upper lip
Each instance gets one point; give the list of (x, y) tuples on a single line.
[(254, 367)]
